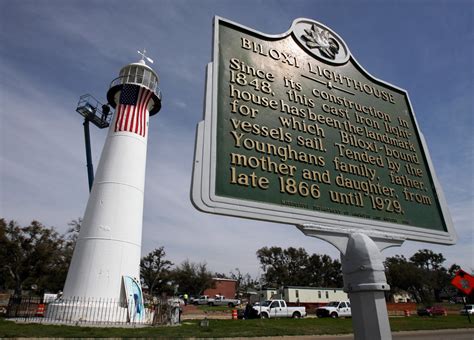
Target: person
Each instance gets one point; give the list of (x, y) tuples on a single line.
[(185, 298), (248, 311), (105, 112)]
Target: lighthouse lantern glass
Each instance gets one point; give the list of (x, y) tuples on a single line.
[(139, 75), (147, 78)]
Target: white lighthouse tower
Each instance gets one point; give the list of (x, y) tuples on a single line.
[(108, 248)]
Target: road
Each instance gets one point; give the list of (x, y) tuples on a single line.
[(445, 334), (450, 334)]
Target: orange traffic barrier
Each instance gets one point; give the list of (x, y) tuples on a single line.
[(40, 309), (234, 314)]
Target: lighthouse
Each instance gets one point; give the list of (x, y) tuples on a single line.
[(106, 259)]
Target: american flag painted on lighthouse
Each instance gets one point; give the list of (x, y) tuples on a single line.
[(132, 109)]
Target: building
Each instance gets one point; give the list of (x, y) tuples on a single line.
[(401, 297), (293, 294), (224, 287), (308, 296), (264, 294)]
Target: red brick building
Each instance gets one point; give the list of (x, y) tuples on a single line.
[(225, 287)]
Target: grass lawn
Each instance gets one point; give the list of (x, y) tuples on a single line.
[(229, 328)]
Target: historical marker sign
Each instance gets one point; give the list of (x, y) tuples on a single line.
[(296, 131)]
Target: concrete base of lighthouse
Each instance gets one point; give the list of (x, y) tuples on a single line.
[(128, 309), (70, 311), (87, 312)]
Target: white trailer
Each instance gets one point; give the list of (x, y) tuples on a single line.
[(313, 295)]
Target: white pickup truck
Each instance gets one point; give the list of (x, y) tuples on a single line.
[(202, 300), (279, 309), (220, 300), (335, 309)]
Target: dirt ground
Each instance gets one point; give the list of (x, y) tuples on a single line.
[(192, 312)]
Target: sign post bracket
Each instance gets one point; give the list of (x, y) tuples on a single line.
[(364, 276)]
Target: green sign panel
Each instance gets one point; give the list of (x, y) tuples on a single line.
[(296, 126)]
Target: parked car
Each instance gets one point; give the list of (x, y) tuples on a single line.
[(457, 299), (468, 309), (335, 309), (202, 300), (431, 311), (220, 300), (279, 309)]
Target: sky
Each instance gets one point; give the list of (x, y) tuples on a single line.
[(54, 51)]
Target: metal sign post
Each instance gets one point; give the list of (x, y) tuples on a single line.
[(365, 282), (364, 277)]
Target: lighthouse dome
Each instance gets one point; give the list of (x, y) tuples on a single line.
[(139, 74)]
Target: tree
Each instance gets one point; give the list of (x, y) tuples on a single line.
[(192, 278), (31, 256), (427, 260), (72, 233), (244, 281), (69, 239), (423, 275), (323, 271), (431, 266), (155, 271), (403, 275), (274, 265), (5, 280), (293, 266)]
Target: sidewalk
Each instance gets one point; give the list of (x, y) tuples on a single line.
[(443, 334)]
